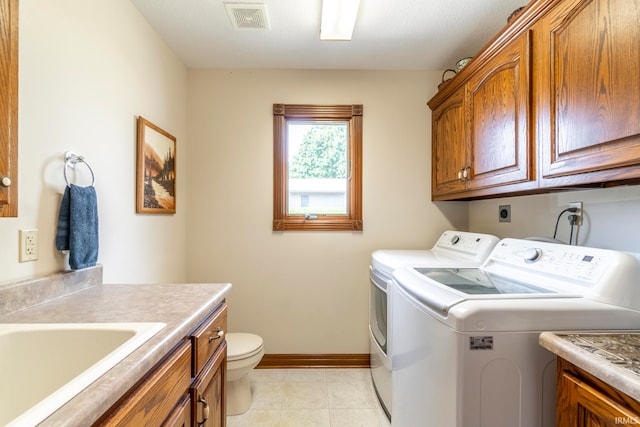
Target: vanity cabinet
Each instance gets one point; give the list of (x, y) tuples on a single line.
[(588, 90), (585, 401), (209, 371), (551, 102), (186, 388), (158, 396), (181, 415), (207, 391), (8, 108), (481, 131)]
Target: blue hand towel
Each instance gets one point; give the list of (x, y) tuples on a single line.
[(78, 226)]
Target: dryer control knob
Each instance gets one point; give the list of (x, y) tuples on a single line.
[(455, 239), (532, 255)]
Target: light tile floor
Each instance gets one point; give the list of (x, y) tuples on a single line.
[(311, 398)]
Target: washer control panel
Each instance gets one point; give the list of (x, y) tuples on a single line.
[(564, 261), (462, 241)]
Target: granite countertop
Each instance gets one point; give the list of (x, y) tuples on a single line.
[(613, 357), (181, 306)]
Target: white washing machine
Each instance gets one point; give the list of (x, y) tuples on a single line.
[(465, 340), (453, 248)]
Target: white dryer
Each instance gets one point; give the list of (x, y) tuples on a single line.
[(465, 340), (453, 248)]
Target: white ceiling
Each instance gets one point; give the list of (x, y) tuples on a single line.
[(389, 34)]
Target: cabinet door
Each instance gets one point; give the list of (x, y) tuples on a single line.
[(581, 405), (8, 108), (207, 391), (155, 398), (498, 99), (181, 415), (448, 146), (589, 88)]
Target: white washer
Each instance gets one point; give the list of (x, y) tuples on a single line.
[(465, 340), (453, 248)]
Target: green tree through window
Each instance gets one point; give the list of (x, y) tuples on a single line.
[(322, 153)]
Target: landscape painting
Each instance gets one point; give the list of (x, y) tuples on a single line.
[(156, 170)]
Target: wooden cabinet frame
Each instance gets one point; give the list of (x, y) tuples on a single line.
[(590, 91), (586, 401), (582, 102), (283, 221), (9, 107)]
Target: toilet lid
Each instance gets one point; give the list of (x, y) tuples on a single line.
[(240, 345)]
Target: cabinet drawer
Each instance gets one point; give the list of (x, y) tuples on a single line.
[(208, 337), (156, 397)]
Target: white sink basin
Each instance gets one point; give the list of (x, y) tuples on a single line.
[(44, 365)]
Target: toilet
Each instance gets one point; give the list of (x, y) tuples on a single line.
[(244, 352)]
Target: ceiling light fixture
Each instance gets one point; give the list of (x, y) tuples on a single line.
[(338, 19)]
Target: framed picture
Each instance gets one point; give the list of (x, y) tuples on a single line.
[(155, 170)]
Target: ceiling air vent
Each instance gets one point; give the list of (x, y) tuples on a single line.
[(248, 16)]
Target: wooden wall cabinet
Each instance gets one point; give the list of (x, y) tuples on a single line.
[(8, 108), (186, 388), (552, 102), (588, 90), (449, 147), (585, 401), (481, 131), (499, 131)]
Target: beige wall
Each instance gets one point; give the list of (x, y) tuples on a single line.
[(305, 292), (87, 69), (611, 217)]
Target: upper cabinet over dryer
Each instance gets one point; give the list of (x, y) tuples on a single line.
[(8, 108), (588, 91), (552, 101)]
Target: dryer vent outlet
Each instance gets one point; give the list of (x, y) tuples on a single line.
[(504, 213)]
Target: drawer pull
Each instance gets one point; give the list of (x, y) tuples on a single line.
[(205, 410), (218, 335)]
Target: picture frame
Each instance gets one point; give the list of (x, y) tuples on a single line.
[(155, 169)]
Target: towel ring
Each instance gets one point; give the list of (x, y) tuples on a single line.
[(72, 159)]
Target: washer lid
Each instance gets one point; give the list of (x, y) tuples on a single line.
[(442, 288), (386, 261), (240, 345)]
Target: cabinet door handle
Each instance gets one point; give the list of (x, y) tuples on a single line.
[(205, 410), (219, 334), (5, 181)]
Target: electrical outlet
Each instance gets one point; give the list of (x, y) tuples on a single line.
[(504, 213), (28, 245), (578, 213)]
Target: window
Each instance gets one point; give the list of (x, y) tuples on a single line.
[(317, 167)]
